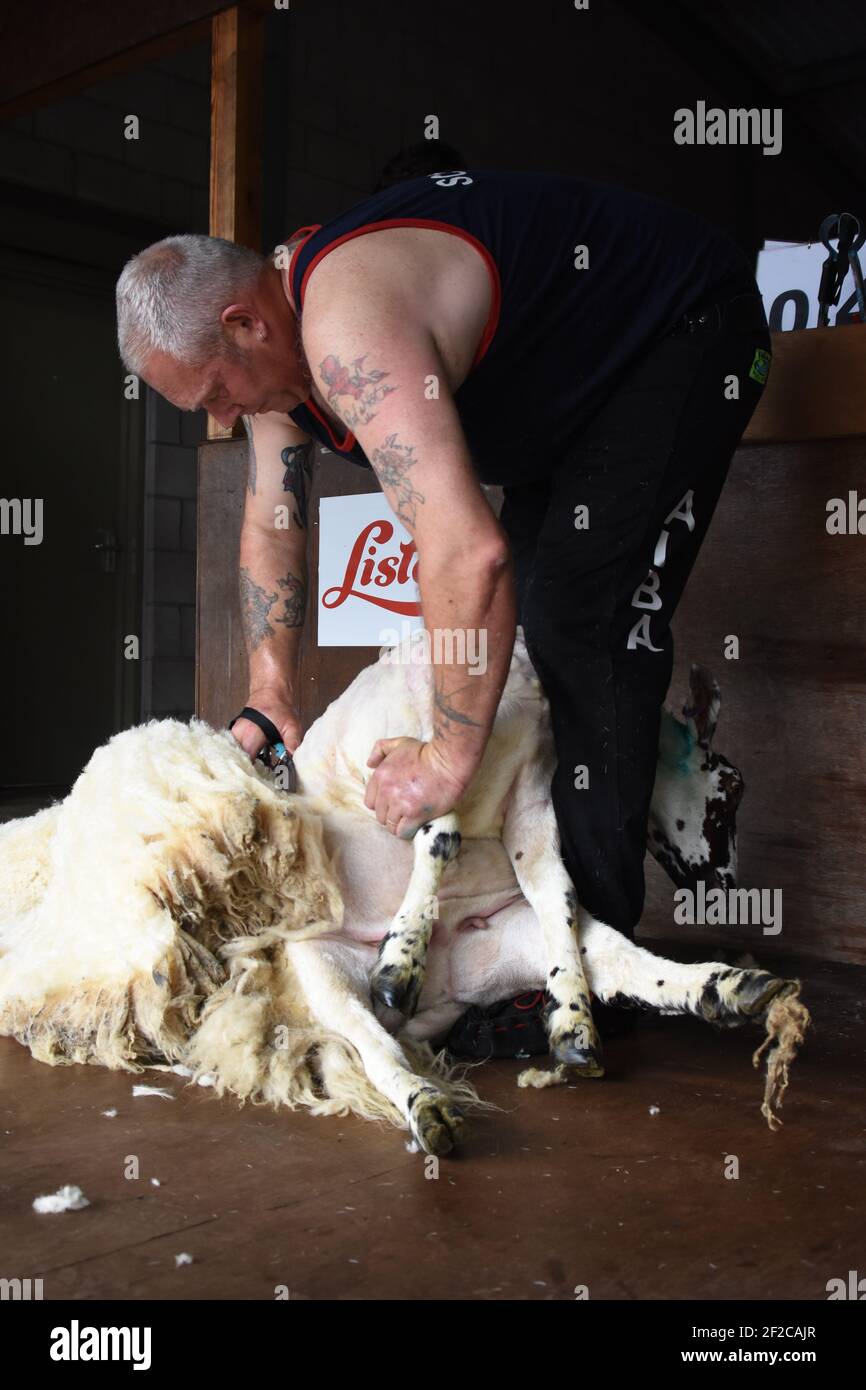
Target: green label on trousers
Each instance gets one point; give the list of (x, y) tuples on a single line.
[(760, 367)]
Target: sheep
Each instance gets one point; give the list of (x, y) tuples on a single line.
[(179, 906)]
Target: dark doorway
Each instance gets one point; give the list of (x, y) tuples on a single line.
[(70, 441)]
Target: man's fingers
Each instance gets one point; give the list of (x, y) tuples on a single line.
[(249, 736), (376, 800), (381, 748), (292, 735)]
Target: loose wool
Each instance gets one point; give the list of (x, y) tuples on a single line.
[(146, 918)]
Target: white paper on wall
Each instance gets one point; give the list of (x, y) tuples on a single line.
[(368, 594), (788, 276)]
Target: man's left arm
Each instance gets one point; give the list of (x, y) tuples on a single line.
[(385, 378)]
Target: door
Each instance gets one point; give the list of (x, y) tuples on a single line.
[(72, 504)]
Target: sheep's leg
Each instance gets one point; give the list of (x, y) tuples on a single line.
[(622, 973), (334, 984), (531, 838), (399, 972)]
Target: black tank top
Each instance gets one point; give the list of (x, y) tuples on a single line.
[(564, 323)]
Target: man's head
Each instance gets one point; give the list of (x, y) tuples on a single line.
[(207, 324)]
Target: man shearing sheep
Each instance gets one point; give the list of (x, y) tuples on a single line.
[(596, 352)]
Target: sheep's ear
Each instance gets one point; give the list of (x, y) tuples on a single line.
[(701, 712)]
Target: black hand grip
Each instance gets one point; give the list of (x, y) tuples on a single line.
[(255, 716)]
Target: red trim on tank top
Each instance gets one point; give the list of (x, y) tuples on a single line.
[(313, 227), (492, 268), (349, 440)]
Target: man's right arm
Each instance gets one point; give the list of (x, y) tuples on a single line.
[(273, 573)]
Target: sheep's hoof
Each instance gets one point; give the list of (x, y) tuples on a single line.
[(757, 993), (396, 988), (582, 1061), (733, 996), (434, 1122)]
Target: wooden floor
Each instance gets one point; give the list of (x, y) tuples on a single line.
[(568, 1186)]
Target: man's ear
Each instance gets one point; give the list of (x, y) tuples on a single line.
[(241, 323)]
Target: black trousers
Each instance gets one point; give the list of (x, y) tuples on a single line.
[(597, 588)]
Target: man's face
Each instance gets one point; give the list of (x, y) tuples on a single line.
[(260, 370), (226, 387)]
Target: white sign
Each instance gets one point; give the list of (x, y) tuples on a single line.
[(368, 592), (789, 274)]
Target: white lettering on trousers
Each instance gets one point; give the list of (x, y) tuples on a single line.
[(647, 595)]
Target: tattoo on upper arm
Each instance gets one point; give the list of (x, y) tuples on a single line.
[(392, 462), (363, 388), (251, 455), (294, 606), (299, 467), (256, 605)]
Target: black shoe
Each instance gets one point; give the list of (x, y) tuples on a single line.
[(515, 1027), (511, 1028)]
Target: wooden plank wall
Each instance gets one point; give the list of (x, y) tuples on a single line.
[(794, 703)]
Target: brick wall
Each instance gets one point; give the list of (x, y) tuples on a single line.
[(168, 624), (77, 146)]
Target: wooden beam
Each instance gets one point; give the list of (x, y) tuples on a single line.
[(236, 132)]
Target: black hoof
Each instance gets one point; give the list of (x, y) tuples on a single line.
[(758, 992), (435, 1123), (583, 1060), (394, 992)]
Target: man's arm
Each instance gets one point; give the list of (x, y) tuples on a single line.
[(273, 572), (378, 366)]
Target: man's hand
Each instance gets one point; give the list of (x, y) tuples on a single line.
[(280, 709), (410, 786)]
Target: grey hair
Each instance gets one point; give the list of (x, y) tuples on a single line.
[(170, 297)]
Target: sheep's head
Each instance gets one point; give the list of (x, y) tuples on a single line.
[(693, 817)]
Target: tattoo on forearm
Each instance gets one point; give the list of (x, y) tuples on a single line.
[(256, 605), (446, 719), (392, 462), (294, 606), (361, 388), (251, 455), (297, 477)]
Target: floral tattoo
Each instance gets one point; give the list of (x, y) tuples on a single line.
[(364, 389), (392, 462)]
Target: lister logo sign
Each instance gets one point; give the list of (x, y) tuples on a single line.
[(367, 572)]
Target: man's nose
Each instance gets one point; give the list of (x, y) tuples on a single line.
[(226, 416)]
